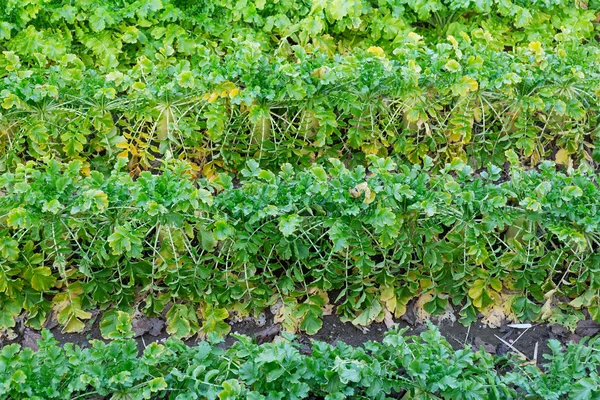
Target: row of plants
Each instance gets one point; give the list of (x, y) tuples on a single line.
[(215, 84), (367, 240), (352, 23), (420, 367)]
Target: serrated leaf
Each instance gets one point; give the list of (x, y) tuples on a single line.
[(9, 248), (453, 66), (157, 384), (319, 173), (311, 323), (367, 316), (42, 279), (181, 321), (116, 324), (186, 79), (214, 320), (289, 224)]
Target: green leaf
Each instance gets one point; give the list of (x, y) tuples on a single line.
[(584, 389), (369, 315), (289, 224), (157, 384), (10, 310), (182, 321), (231, 390), (339, 235), (214, 320), (95, 200), (116, 325), (9, 248), (97, 22), (348, 372), (42, 279), (523, 17), (319, 173), (124, 240), (383, 216), (222, 230), (186, 79), (18, 377), (576, 110), (205, 196), (436, 306), (312, 323), (207, 240), (570, 192)]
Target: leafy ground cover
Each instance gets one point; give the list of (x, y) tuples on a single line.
[(378, 237), (417, 367), (205, 161), (298, 81)]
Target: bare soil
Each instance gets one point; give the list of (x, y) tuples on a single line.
[(494, 340)]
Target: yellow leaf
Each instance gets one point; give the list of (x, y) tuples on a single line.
[(139, 85), (452, 40), (371, 148), (209, 171), (562, 157), (401, 304), (536, 47), (287, 316), (361, 188), (10, 101), (85, 169), (425, 283), (415, 37), (376, 51), (454, 137), (471, 84), (497, 314), (453, 66), (213, 96), (388, 297), (74, 325), (320, 72), (420, 314)]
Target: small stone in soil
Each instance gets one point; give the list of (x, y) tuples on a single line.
[(143, 325), (489, 348), (502, 349), (573, 337), (267, 335), (559, 330), (30, 339), (587, 328)]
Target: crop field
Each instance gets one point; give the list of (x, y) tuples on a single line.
[(378, 175)]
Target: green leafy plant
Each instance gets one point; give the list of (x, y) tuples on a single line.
[(75, 239), (216, 82), (419, 367)]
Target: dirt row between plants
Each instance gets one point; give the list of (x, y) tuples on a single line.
[(529, 339)]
